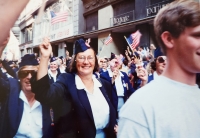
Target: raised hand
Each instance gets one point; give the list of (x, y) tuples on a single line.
[(45, 48), (142, 73), (126, 53), (45, 51), (115, 74)]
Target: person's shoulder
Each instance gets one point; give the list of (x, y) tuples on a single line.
[(147, 94), (104, 74), (66, 76), (150, 78), (104, 82), (140, 103), (122, 72), (13, 80)]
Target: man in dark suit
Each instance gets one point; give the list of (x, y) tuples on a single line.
[(121, 87), (21, 115)]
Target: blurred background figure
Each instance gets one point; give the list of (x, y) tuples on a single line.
[(62, 65), (53, 70), (158, 65), (121, 87)]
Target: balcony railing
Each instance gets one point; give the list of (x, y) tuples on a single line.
[(122, 18)]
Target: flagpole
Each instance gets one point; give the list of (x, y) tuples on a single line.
[(103, 46), (128, 43), (41, 11), (49, 30), (101, 50), (69, 11)]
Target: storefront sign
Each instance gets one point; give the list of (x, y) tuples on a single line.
[(59, 33), (124, 18), (153, 9), (121, 20)]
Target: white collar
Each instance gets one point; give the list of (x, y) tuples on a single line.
[(80, 85), (49, 71), (155, 75), (111, 74), (23, 97)]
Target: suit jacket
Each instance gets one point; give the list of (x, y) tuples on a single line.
[(10, 71), (77, 117), (128, 89), (12, 110), (51, 78)]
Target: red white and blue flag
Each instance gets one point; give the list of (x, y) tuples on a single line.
[(108, 40), (134, 39), (58, 17)]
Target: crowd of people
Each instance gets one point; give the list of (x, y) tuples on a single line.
[(145, 92)]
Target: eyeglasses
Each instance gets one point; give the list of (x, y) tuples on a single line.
[(83, 58), (161, 59), (103, 61), (24, 73)]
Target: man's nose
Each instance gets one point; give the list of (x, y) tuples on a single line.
[(29, 75)]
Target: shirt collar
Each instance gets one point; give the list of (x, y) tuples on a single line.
[(155, 75), (49, 71), (80, 85), (24, 99)]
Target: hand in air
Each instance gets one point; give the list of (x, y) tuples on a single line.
[(45, 48), (115, 74), (142, 73)]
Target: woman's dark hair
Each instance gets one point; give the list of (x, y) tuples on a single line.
[(73, 69), (125, 62), (144, 58), (153, 64)]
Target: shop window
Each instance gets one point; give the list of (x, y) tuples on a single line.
[(123, 12), (155, 6), (123, 7), (92, 22), (26, 35)]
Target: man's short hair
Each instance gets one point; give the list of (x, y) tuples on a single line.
[(175, 17)]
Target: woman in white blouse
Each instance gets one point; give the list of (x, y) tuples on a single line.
[(89, 112)]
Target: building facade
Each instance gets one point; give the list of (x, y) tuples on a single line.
[(95, 19)]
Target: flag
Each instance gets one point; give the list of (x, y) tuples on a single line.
[(134, 39), (108, 40), (87, 42), (58, 17)]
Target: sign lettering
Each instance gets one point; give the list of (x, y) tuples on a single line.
[(153, 9), (120, 20)]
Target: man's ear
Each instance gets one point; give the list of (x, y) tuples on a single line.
[(167, 39)]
